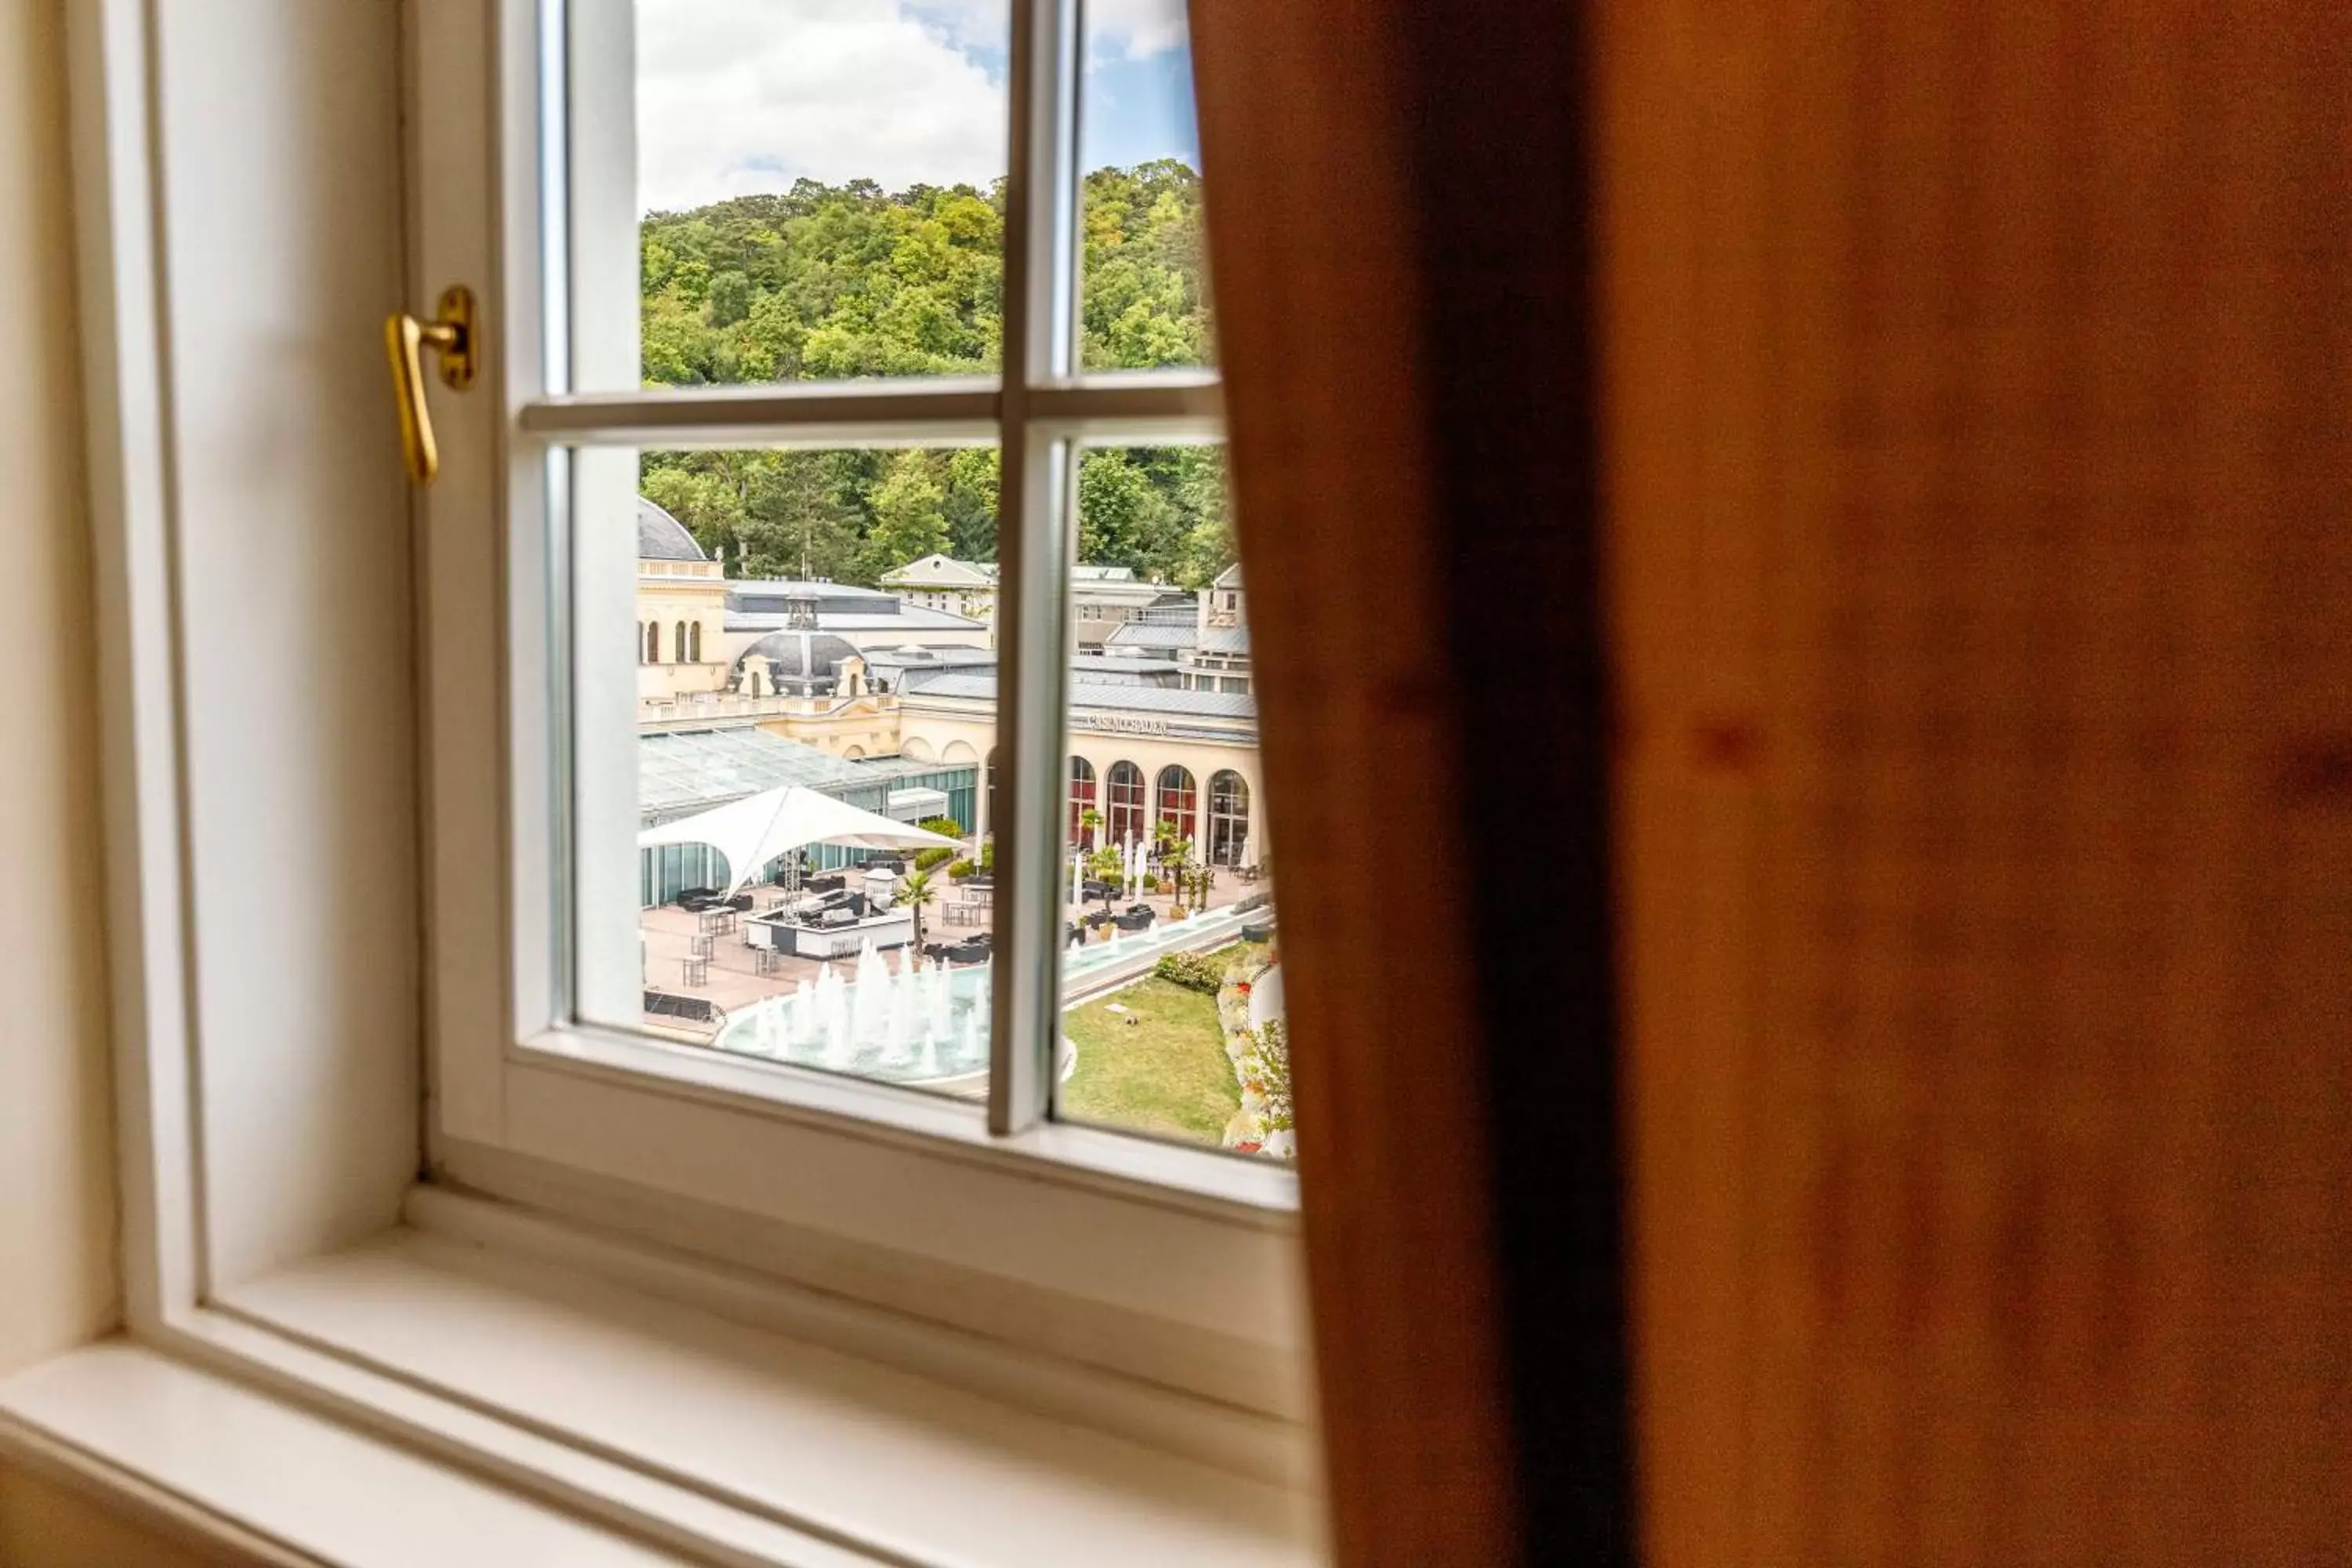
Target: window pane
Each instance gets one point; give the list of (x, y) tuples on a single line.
[(1144, 276), (820, 188), (1172, 1019), (811, 873)]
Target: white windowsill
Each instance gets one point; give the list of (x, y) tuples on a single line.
[(1252, 1192), (730, 1426)]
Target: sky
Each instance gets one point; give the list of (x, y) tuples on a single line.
[(736, 96)]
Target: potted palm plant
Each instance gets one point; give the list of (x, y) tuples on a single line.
[(915, 892)]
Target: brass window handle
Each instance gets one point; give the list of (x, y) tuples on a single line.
[(451, 334)]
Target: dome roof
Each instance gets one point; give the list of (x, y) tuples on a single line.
[(661, 537), (797, 657)]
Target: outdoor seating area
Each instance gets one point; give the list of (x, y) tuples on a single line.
[(738, 945)]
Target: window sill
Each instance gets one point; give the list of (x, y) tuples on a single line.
[(1252, 1194), (555, 1391)]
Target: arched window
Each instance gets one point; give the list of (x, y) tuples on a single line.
[(677, 646), (1082, 795), (1179, 801), (694, 642), (1124, 819), (653, 642), (1229, 805)]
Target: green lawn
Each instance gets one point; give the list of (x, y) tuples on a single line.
[(1165, 1073)]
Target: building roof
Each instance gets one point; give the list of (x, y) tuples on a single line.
[(765, 593), (1226, 640), (1105, 670), (1230, 577), (939, 571), (976, 686), (661, 537), (873, 627), (679, 772), (1082, 573), (799, 657), (1153, 635), (889, 663)]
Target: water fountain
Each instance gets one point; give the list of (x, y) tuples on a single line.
[(920, 1021), (907, 1020)]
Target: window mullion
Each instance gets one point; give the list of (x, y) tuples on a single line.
[(1032, 550)]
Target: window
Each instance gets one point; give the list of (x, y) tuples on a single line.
[(1229, 807), (1125, 818), (566, 695), (1173, 808), (1082, 803), (795, 934)]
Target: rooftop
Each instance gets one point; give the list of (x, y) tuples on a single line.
[(972, 686), (1152, 634), (944, 572), (694, 769), (661, 537)]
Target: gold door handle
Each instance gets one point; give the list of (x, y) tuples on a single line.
[(450, 334)]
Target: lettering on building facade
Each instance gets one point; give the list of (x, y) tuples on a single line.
[(1119, 723)]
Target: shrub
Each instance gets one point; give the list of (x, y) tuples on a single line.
[(946, 827), (926, 858), (960, 870), (1150, 883), (1266, 1072), (1192, 970), (988, 854)]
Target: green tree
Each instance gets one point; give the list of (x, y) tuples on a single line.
[(1120, 516), (970, 503), (730, 299), (909, 513), (849, 279), (801, 519)]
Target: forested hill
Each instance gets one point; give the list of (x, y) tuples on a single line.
[(827, 281)]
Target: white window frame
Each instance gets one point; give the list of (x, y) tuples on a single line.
[(316, 1333), (853, 1187)]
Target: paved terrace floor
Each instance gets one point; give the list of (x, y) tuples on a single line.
[(734, 981)]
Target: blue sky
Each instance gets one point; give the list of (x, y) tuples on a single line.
[(740, 96), (1137, 110)]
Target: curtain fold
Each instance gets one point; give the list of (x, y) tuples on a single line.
[(1398, 234)]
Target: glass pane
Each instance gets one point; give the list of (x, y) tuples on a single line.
[(1172, 1019), (1144, 276), (811, 872), (820, 189)]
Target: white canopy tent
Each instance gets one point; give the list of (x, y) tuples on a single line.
[(754, 830)]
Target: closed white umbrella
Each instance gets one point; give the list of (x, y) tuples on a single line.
[(754, 830)]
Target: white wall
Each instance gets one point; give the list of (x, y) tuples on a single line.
[(279, 120), (56, 1194)]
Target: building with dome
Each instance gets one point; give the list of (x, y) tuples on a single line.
[(681, 611), (896, 694), (799, 660)]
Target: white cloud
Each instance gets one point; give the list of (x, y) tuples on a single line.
[(1137, 30), (1128, 29), (741, 96)]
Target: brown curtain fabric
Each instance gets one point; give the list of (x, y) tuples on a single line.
[(1398, 228), (1972, 387), (1979, 378)]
